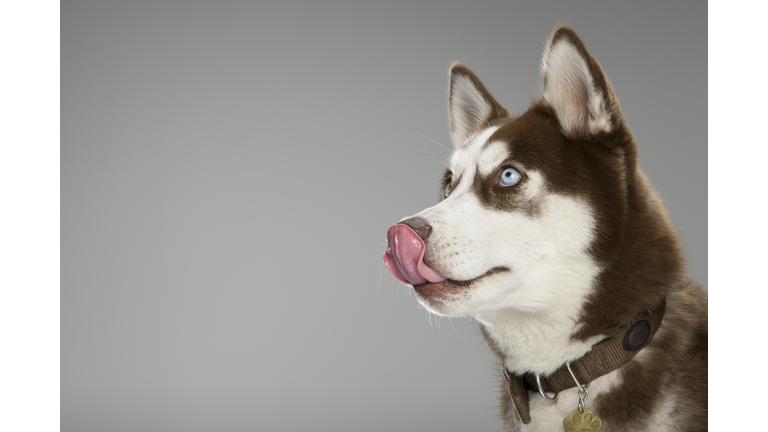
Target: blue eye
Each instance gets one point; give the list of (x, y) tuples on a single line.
[(509, 177)]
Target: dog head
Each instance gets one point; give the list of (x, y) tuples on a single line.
[(538, 211)]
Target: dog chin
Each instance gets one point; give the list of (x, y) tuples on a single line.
[(455, 298), (442, 306), (441, 298)]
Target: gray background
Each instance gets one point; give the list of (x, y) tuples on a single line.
[(228, 173)]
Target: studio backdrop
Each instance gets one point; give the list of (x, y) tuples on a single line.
[(229, 170)]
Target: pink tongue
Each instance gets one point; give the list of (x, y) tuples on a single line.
[(405, 257)]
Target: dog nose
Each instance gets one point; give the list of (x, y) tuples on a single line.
[(419, 225)]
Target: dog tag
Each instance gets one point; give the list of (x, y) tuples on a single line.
[(582, 422)]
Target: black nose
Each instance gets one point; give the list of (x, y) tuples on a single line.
[(420, 226)]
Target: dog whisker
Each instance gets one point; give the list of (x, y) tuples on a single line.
[(450, 321), (434, 141)]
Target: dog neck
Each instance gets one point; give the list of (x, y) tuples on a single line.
[(538, 342)]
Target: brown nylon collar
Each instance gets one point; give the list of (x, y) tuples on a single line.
[(604, 357)]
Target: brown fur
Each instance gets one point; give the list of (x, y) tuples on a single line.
[(675, 359)]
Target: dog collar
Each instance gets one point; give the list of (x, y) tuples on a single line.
[(604, 357)]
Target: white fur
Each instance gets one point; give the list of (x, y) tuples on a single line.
[(492, 156), (663, 419), (534, 186), (551, 277), (571, 92), (548, 417), (464, 159), (468, 109)]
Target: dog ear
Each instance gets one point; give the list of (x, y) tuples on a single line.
[(470, 105), (576, 88)]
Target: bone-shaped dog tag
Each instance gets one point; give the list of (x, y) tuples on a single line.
[(582, 422)]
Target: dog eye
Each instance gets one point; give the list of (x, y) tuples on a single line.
[(447, 190), (509, 177)]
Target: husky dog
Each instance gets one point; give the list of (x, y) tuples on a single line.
[(551, 237)]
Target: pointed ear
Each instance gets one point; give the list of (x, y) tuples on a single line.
[(470, 105), (576, 88)]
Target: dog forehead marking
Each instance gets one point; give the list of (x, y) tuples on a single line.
[(478, 154), (491, 156)]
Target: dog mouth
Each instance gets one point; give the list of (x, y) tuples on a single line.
[(451, 286), (405, 259)]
